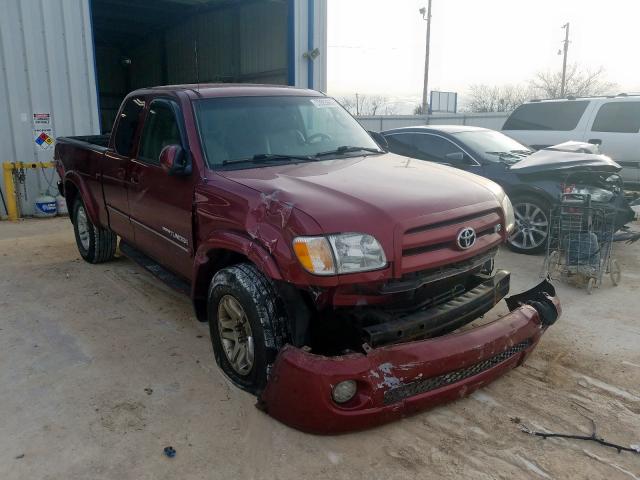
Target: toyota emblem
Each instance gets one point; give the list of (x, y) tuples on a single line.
[(466, 238)]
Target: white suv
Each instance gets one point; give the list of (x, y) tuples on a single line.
[(611, 122)]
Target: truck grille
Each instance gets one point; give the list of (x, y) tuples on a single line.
[(422, 386), (430, 246)]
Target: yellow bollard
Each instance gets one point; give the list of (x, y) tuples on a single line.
[(9, 188), (9, 185)]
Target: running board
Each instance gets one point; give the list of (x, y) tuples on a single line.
[(157, 270)]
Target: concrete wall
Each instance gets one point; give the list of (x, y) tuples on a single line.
[(379, 123), (46, 66)]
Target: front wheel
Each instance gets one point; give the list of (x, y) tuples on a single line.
[(247, 324), (95, 244), (532, 225)]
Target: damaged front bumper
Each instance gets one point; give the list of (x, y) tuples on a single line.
[(398, 380)]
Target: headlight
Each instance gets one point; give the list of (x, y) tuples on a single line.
[(599, 195), (509, 216), (341, 253), (507, 207), (357, 252)]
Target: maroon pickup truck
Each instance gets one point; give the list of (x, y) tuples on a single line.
[(335, 276)]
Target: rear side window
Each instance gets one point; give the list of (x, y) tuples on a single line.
[(401, 143), (160, 130), (127, 126), (433, 148), (563, 116), (621, 117)]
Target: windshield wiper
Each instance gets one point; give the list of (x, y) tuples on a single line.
[(267, 157), (348, 149)]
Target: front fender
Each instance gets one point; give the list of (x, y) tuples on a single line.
[(234, 242)]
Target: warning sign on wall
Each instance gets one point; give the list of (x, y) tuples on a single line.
[(41, 120), (43, 137), (42, 131)]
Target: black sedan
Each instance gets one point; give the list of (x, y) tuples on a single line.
[(534, 181)]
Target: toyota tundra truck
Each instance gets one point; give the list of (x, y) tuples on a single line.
[(341, 283)]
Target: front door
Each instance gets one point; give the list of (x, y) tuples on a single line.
[(161, 204)]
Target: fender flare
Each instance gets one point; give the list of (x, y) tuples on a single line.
[(89, 202), (234, 242)]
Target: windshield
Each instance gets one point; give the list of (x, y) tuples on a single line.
[(493, 146), (261, 130)]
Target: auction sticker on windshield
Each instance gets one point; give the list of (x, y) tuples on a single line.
[(324, 102)]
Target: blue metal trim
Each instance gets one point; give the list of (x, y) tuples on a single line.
[(95, 65), (291, 43), (310, 34)]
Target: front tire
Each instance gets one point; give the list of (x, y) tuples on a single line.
[(95, 244), (531, 231), (247, 324)]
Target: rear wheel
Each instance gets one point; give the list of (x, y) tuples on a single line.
[(247, 324), (532, 225), (95, 244)]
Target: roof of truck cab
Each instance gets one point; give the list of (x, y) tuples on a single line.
[(212, 90), (434, 129)]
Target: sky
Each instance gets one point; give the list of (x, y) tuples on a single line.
[(377, 46)]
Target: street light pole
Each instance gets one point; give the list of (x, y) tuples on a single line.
[(427, 17), (563, 86)]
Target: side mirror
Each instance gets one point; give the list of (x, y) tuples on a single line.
[(380, 140), (455, 157), (175, 161)]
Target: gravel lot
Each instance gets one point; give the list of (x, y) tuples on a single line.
[(103, 366)]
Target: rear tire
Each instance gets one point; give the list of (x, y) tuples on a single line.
[(531, 232), (95, 244), (248, 325)]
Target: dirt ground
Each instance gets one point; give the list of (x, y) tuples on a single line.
[(103, 366)]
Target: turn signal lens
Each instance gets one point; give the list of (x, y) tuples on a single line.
[(314, 254)]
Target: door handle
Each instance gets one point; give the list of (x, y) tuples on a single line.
[(595, 141), (134, 179)]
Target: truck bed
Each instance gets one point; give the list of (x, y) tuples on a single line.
[(82, 157), (87, 140)]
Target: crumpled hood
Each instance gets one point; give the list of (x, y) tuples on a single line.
[(368, 193), (567, 156)]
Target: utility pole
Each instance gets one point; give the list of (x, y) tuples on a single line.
[(426, 15), (563, 85), (357, 105)]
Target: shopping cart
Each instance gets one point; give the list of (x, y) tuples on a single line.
[(580, 242)]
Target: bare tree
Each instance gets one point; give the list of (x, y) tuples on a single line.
[(488, 98), (391, 109), (367, 105), (349, 103), (418, 110), (371, 105), (580, 82)]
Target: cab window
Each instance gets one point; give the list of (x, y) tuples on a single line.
[(127, 126), (160, 130)]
